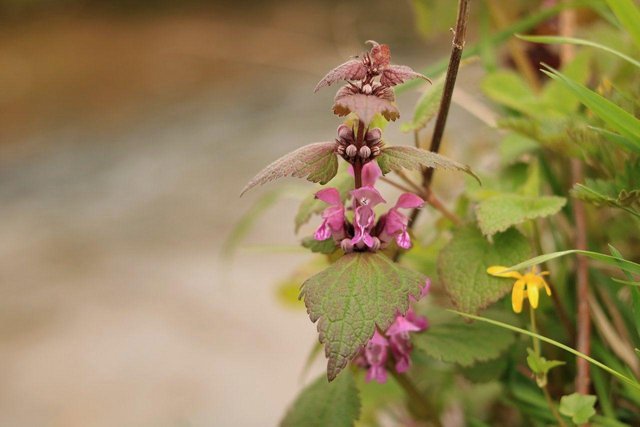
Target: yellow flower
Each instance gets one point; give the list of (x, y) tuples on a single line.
[(526, 286)]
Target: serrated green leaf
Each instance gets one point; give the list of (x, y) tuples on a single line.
[(610, 113), (514, 146), (320, 246), (324, 404), (316, 162), (310, 205), (426, 108), (498, 213), (483, 372), (580, 407), (629, 16), (412, 158), (463, 343), (349, 299), (463, 263)]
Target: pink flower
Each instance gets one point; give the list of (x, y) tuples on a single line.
[(395, 224), (397, 339), (333, 216), (367, 197), (376, 353), (370, 173)]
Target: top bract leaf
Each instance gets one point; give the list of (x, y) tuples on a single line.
[(349, 299), (395, 74), (354, 69), (316, 162)]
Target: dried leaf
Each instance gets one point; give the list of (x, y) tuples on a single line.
[(316, 162), (406, 157), (380, 54), (354, 69), (395, 74), (364, 106)]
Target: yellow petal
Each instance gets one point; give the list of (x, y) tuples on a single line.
[(533, 294), (517, 296), (546, 286), (498, 271)]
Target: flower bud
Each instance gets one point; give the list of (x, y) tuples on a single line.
[(373, 135), (366, 89), (375, 150), (376, 244), (345, 132), (351, 150), (365, 152)]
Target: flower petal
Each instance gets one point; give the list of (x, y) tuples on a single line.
[(368, 196), (533, 292), (409, 201), (517, 295), (499, 271), (370, 174), (330, 196)]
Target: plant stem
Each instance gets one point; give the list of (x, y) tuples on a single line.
[(534, 329), (449, 83), (357, 164), (447, 94), (552, 406), (437, 204), (420, 404), (583, 340)]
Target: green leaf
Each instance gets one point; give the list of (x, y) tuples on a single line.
[(619, 262), (412, 158), (310, 205), (557, 97), (624, 378), (509, 89), (463, 343), (576, 41), (320, 246), (629, 16), (325, 404), (463, 263), (316, 162), (610, 113), (426, 108), (541, 366), (514, 146), (498, 213), (580, 407), (349, 299)]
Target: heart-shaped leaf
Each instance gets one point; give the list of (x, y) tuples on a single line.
[(463, 263), (316, 162), (355, 294), (365, 107)]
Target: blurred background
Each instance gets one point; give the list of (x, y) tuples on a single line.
[(127, 129)]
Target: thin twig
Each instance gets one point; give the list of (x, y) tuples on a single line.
[(437, 204), (397, 185), (409, 181), (449, 83), (583, 319)]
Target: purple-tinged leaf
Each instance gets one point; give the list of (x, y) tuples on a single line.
[(380, 54), (354, 69), (395, 74), (364, 106), (411, 158), (316, 162), (350, 298)]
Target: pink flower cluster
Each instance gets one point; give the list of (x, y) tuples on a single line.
[(365, 233), (395, 341)]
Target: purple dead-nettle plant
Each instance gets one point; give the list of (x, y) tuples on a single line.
[(362, 300)]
